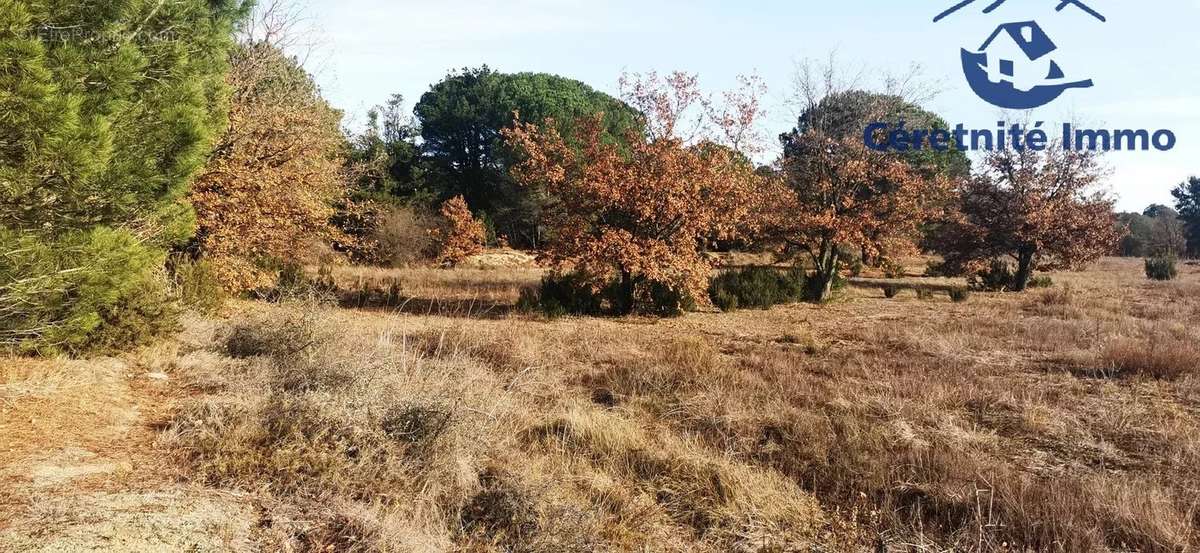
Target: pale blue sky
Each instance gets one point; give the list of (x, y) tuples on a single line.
[(1145, 59)]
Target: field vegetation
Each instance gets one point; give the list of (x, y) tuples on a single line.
[(535, 317)]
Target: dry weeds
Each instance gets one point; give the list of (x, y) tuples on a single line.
[(1059, 420)]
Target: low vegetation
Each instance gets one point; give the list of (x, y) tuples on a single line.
[(1161, 268), (757, 287), (1009, 423)]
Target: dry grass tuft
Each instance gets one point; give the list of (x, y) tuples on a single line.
[(728, 505), (1160, 356)]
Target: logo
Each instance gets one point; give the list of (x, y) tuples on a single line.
[(1014, 68)]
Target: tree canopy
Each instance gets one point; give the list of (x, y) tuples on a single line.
[(845, 114), (1041, 209), (461, 119), (634, 215)]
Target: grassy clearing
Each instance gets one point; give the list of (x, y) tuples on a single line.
[(1057, 420)]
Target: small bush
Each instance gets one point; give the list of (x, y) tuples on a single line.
[(998, 277), (570, 294), (417, 426), (756, 288), (890, 291), (959, 295), (275, 338), (460, 236), (402, 237), (1042, 281), (197, 284), (1161, 268), (562, 294), (924, 294), (663, 301)]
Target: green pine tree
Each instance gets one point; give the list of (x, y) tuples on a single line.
[(107, 110)]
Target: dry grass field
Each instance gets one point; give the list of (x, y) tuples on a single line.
[(1065, 419)]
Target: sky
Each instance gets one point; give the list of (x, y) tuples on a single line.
[(1145, 60)]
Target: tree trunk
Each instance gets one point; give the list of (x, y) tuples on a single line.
[(1024, 271), (623, 302), (821, 288)]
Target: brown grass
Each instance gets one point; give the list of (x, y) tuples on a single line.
[(1056, 420)]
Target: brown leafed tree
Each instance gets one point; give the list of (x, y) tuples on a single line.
[(461, 236), (834, 192), (1040, 209), (636, 214), (837, 192), (271, 182)]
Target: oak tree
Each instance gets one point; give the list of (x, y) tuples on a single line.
[(837, 192), (1042, 209), (270, 185), (633, 214)]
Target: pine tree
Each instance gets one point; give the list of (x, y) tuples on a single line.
[(106, 112)]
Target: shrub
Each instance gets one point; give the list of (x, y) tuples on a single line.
[(196, 284), (401, 237), (756, 287), (99, 290), (276, 338), (724, 299), (959, 295), (461, 236), (890, 291), (998, 277), (665, 301), (562, 294), (1161, 268), (571, 294), (1042, 281), (924, 293)]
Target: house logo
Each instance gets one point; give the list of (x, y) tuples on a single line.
[(1015, 67)]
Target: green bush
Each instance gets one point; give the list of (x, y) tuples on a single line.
[(663, 301), (890, 291), (756, 288), (96, 290), (959, 295), (562, 294), (998, 277), (570, 294), (1040, 282), (1161, 268), (196, 284)]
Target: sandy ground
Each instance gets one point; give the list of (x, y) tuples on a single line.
[(80, 471)]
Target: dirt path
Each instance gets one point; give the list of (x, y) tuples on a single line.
[(80, 470)]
